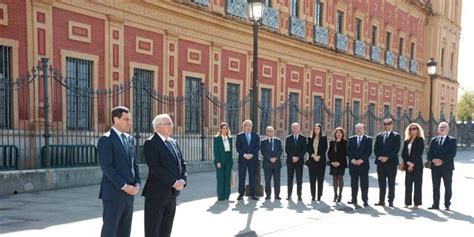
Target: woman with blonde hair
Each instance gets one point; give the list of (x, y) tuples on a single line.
[(412, 163), (223, 161)]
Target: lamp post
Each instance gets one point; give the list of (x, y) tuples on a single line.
[(255, 8), (431, 66)]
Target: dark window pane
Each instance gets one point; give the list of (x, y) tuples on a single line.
[(79, 98), (233, 106), (143, 103)]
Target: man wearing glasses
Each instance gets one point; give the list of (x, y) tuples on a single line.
[(441, 154), (387, 145)]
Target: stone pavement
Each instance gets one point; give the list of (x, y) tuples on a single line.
[(77, 211)]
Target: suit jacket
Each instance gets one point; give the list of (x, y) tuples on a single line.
[(116, 165), (340, 155), (268, 153), (219, 151), (362, 152), (446, 152), (322, 149), (163, 168), (244, 148), (416, 153), (295, 149), (390, 148)]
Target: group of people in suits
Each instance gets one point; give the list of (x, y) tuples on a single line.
[(121, 180), (352, 153), (167, 175)]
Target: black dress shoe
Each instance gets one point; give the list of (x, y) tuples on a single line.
[(277, 198), (433, 207), (447, 209), (319, 199), (352, 202), (313, 198), (380, 204), (267, 197), (390, 204), (254, 198), (299, 198), (288, 198), (366, 204), (240, 197)]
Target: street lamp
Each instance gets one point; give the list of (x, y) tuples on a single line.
[(431, 66), (255, 8)]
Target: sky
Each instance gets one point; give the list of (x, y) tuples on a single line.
[(466, 48)]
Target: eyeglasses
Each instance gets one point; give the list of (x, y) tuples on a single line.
[(412, 129), (387, 123)]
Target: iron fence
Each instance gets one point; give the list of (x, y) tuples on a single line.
[(51, 121)]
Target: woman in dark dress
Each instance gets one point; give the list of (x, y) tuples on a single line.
[(337, 155), (413, 163), (317, 147)]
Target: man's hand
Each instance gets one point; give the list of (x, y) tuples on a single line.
[(273, 159), (179, 185), (130, 190), (354, 162), (295, 159), (335, 164), (437, 162), (360, 162), (383, 159)]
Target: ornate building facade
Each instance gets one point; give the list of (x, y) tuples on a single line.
[(366, 54)]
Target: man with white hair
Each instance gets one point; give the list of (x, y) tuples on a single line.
[(441, 154), (247, 145), (295, 148), (166, 177)]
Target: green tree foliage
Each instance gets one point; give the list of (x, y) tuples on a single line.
[(465, 106)]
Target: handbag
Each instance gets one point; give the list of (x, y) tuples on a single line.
[(427, 164)]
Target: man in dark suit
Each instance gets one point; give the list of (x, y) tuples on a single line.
[(271, 150), (166, 178), (441, 154), (248, 146), (120, 180), (386, 148), (359, 148), (295, 148)]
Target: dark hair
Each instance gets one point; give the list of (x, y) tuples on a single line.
[(340, 130), (320, 130), (118, 111)]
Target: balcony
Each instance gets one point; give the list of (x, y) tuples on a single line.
[(271, 18), (201, 2), (413, 66), (297, 27), (341, 42), (359, 48), (237, 8), (375, 54), (321, 35), (389, 58), (402, 63)]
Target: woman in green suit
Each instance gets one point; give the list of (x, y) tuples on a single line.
[(223, 161)]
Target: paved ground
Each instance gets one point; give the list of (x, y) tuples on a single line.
[(77, 211)]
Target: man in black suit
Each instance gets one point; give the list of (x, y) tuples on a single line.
[(120, 180), (441, 154), (295, 148), (166, 178), (386, 148), (359, 148), (271, 150), (248, 146)]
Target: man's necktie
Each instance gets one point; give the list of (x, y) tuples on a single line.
[(247, 135), (385, 137), (296, 139), (271, 143), (127, 149), (358, 141), (173, 152), (441, 141)]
